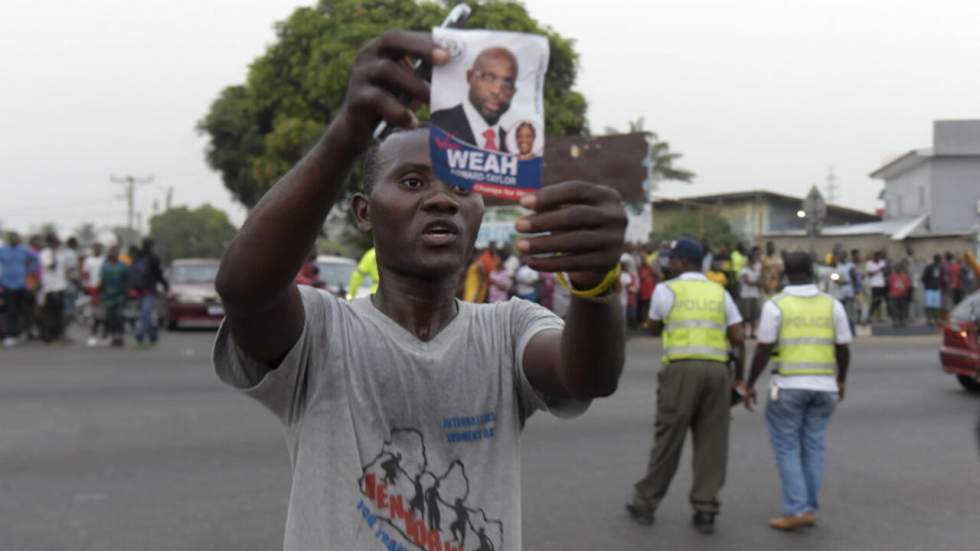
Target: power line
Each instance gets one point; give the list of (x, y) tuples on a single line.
[(130, 182), (831, 185)]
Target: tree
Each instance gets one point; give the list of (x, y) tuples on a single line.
[(662, 158), (699, 223), (259, 129), (184, 233), (86, 234)]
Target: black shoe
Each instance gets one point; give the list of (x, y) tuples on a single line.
[(639, 515), (704, 522)]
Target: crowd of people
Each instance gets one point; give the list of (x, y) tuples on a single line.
[(46, 285), (872, 287)]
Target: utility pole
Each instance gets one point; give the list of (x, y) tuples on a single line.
[(831, 185), (814, 210), (130, 182)]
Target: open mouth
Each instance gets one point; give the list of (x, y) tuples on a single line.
[(440, 232)]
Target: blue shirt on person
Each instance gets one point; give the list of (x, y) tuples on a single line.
[(15, 262)]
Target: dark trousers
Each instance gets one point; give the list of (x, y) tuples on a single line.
[(879, 297), (52, 314), (900, 311), (14, 303), (114, 320), (691, 395)]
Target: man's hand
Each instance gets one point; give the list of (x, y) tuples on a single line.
[(586, 224), (841, 388), (380, 73)]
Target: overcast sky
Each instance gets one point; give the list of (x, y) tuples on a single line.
[(757, 94)]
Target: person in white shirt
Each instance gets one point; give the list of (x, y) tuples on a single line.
[(874, 268), (807, 332), (750, 291), (698, 321), (91, 279), (526, 279), (54, 281)]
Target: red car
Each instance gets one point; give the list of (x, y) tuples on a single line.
[(960, 353), (192, 300)]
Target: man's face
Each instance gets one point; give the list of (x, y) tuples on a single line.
[(13, 239), (493, 80), (422, 227), (770, 249)]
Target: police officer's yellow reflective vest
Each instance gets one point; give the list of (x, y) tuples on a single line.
[(806, 335), (695, 327)]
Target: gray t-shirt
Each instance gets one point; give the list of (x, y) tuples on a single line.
[(397, 443)]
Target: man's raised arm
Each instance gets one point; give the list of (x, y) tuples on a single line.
[(587, 224), (264, 310)]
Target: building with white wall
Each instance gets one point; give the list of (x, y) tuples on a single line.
[(939, 184)]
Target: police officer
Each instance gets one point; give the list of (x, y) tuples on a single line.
[(806, 333), (695, 317)]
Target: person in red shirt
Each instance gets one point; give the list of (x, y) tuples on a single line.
[(899, 291), (648, 280), (955, 278)]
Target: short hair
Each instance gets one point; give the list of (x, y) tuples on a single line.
[(527, 124), (798, 264), (371, 162)]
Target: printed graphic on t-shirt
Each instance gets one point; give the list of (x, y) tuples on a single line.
[(412, 505)]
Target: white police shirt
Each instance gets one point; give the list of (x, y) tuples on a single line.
[(768, 333)]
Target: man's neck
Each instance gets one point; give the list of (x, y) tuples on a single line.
[(423, 307)]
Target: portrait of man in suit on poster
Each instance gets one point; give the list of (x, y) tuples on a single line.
[(492, 81)]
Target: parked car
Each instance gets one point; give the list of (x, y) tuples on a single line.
[(192, 299), (960, 352), (335, 272)]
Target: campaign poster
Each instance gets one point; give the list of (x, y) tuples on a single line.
[(488, 111)]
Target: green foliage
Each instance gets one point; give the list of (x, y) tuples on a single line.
[(86, 234), (698, 224), (259, 129), (663, 158), (184, 233)]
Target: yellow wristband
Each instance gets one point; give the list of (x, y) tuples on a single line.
[(607, 283)]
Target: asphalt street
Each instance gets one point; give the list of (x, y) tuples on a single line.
[(122, 450)]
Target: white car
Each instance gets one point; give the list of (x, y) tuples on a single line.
[(335, 272)]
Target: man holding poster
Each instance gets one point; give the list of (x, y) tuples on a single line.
[(403, 411), (488, 135)]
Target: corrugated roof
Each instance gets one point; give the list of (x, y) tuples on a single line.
[(751, 194), (896, 228)]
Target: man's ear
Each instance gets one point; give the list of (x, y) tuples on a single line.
[(360, 206), (469, 75)]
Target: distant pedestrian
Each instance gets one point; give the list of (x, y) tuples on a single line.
[(696, 318), (751, 279), (500, 282), (857, 280), (91, 279), (113, 288), (526, 282), (73, 276), (16, 262), (772, 270), (146, 276), (841, 285), (932, 282), (366, 267), (955, 284), (648, 281), (54, 281), (899, 294), (874, 269), (807, 333)]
